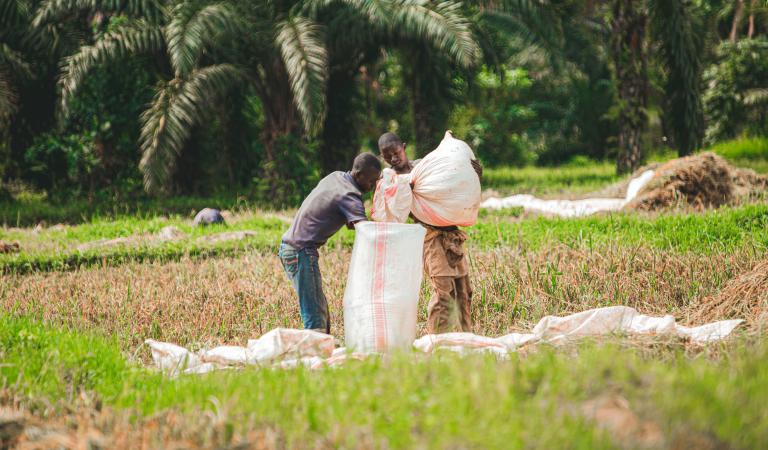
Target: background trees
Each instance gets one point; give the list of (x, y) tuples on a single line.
[(115, 98)]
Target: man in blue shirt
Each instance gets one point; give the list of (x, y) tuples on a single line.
[(336, 201)]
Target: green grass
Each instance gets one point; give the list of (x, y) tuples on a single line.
[(406, 402), (584, 176), (55, 249), (550, 181), (722, 229), (530, 401), (745, 149), (28, 209)]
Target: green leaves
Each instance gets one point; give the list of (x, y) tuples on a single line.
[(139, 37), (440, 23), (301, 46), (178, 107), (191, 28), (51, 11)]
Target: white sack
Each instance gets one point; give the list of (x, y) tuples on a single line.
[(226, 354), (571, 208), (171, 358), (460, 343), (393, 197), (383, 286), (446, 189), (286, 343), (590, 323)]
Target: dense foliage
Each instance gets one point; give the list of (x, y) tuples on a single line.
[(113, 100)]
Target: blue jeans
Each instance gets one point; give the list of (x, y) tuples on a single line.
[(303, 270)]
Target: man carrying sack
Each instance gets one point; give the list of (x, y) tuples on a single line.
[(445, 263)]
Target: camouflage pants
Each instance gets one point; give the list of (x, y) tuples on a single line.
[(451, 305)]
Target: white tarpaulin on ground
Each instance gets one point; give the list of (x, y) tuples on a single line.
[(286, 348), (591, 323), (571, 208)]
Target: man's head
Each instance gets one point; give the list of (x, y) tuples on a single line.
[(392, 149), (366, 170)]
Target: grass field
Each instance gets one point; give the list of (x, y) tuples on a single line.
[(75, 315)]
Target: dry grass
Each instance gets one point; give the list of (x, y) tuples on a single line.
[(746, 296), (205, 302), (701, 181)]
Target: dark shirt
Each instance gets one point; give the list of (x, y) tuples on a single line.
[(335, 202)]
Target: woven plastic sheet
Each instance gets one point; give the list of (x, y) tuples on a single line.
[(287, 348)]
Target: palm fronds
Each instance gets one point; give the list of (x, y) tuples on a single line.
[(192, 28), (140, 37), (55, 10), (8, 98), (178, 107), (441, 23), (14, 62), (306, 61)]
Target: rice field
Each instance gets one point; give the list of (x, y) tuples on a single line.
[(81, 297)]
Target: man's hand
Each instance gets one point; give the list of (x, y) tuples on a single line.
[(478, 168), (351, 225)]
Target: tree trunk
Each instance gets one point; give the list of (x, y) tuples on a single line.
[(341, 128), (631, 68), (751, 30), (737, 15), (281, 122), (429, 77)]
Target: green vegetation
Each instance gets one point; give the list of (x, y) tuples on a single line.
[(720, 230), (402, 402), (751, 153), (579, 177)]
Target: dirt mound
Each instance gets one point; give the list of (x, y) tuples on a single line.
[(700, 181), (744, 297)]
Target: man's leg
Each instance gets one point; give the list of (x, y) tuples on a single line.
[(442, 308), (464, 300), (321, 319), (304, 272)]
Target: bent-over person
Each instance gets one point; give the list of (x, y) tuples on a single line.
[(335, 202)]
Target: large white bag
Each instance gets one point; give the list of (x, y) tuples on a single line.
[(446, 189), (393, 197), (382, 292)]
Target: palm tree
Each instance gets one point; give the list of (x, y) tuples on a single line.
[(277, 48), (670, 26), (27, 76), (432, 78), (180, 102)]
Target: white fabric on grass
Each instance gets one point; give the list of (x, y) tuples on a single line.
[(571, 208), (288, 348)]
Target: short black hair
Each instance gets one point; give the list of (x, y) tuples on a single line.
[(389, 140), (365, 162)]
